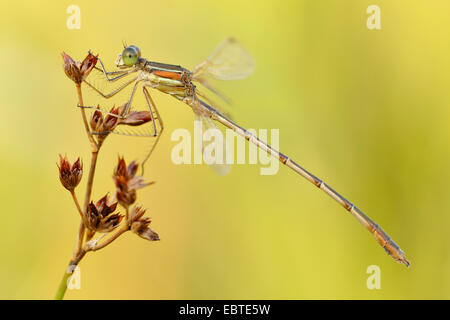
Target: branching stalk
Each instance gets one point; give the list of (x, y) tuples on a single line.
[(100, 216)]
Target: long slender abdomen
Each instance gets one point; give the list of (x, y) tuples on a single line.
[(383, 239)]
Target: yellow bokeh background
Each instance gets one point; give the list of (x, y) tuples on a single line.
[(365, 110)]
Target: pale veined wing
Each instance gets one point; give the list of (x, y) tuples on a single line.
[(150, 131), (147, 133), (229, 61), (214, 147)]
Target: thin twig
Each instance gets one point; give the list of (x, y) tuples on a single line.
[(95, 149), (79, 253), (90, 181), (94, 144), (122, 230), (77, 204), (79, 243)]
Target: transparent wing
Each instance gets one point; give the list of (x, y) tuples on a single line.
[(149, 131), (211, 101), (212, 89), (229, 61), (97, 80), (139, 140), (214, 149), (133, 139), (145, 130)]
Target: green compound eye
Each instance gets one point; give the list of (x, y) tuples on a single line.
[(130, 55)]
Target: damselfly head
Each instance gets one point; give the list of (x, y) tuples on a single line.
[(129, 57)]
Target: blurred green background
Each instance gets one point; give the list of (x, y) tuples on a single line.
[(367, 111)]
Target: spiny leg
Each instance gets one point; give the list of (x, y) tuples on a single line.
[(151, 104), (127, 109), (155, 131), (109, 95), (125, 113), (121, 73), (102, 111), (110, 73)]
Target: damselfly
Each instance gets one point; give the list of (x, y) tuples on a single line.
[(229, 61)]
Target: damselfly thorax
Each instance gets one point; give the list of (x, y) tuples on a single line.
[(171, 79)]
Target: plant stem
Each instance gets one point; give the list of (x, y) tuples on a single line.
[(62, 286), (90, 181), (95, 150), (122, 230), (87, 197), (79, 253), (94, 144), (69, 271), (77, 204), (79, 243)]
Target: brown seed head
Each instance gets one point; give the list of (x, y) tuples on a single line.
[(142, 229), (103, 126), (127, 182), (70, 176), (136, 213), (100, 217), (87, 65), (76, 71), (71, 69), (133, 118), (124, 195), (136, 118)]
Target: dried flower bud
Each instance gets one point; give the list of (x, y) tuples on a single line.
[(121, 169), (96, 122), (124, 195), (142, 229), (133, 118), (87, 65), (136, 213), (76, 71), (70, 176), (132, 169), (136, 118), (103, 126), (138, 182), (128, 174), (71, 69), (127, 182), (100, 217)]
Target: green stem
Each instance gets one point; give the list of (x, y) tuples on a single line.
[(62, 286), (66, 277)]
